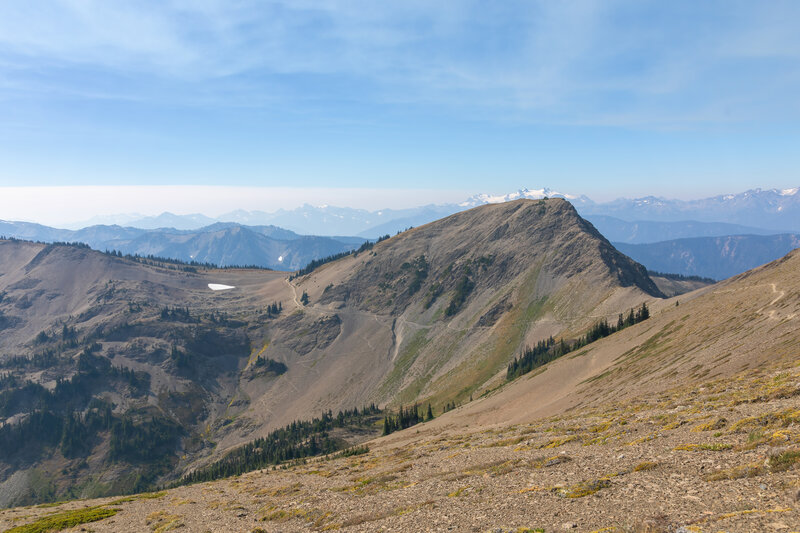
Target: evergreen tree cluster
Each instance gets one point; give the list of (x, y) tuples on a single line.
[(463, 288), (405, 418), (680, 277), (316, 263), (298, 440), (274, 309), (60, 417), (434, 291), (419, 271), (151, 440), (73, 433), (182, 359), (549, 350), (43, 359), (270, 365), (69, 394), (172, 263), (180, 314)]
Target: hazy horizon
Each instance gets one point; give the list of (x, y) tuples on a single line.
[(72, 206), (605, 99)]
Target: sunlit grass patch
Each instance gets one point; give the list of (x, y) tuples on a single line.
[(783, 461), (737, 472), (505, 442), (142, 496), (545, 462), (65, 519), (713, 425), (555, 443), (646, 438), (160, 521), (379, 515), (716, 447), (645, 466), (459, 492), (584, 488)]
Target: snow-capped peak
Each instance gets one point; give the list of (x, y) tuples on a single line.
[(530, 194), (790, 192)]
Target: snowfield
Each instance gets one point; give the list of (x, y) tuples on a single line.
[(220, 287)]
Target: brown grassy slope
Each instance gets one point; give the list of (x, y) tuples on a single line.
[(746, 322), (655, 445), (527, 261), (676, 287), (514, 235), (45, 284)]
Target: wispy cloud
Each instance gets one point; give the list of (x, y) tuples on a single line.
[(551, 62)]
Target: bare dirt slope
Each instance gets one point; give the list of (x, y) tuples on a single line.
[(688, 421), (739, 325)]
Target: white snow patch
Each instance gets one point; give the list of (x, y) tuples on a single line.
[(280, 258), (531, 194), (790, 192), (220, 287)]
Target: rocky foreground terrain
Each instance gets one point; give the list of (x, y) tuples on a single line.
[(720, 457)]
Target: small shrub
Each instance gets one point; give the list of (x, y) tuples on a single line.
[(584, 488), (783, 461), (645, 466)]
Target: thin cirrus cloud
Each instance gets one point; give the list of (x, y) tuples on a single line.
[(581, 62)]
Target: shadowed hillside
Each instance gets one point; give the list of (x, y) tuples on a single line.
[(714, 257)]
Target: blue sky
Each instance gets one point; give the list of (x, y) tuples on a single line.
[(606, 98)]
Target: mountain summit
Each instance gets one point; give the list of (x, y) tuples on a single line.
[(149, 373), (521, 194), (461, 296)]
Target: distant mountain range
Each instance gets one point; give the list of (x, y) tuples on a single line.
[(259, 238), (648, 231), (712, 257), (305, 220), (757, 211), (220, 244), (771, 209)]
